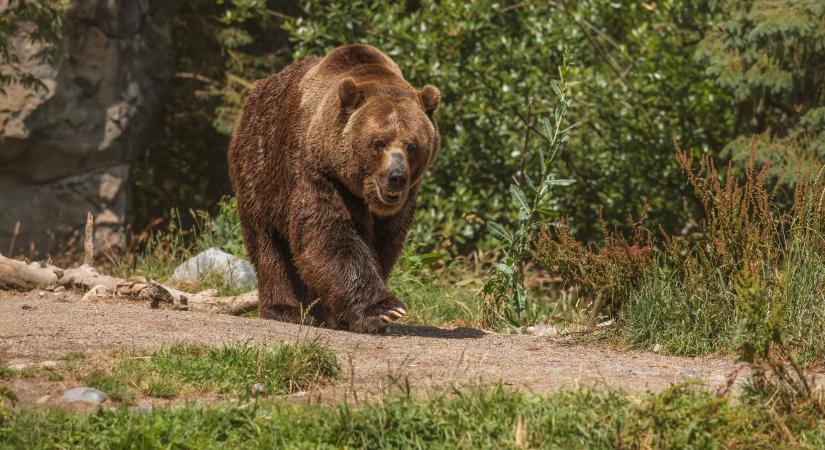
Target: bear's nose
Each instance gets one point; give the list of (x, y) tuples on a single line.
[(397, 180)]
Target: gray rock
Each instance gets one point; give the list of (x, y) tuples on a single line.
[(657, 348), (235, 271), (643, 372), (690, 373), (542, 330), (59, 289), (258, 389), (84, 394), (99, 291), (68, 149)]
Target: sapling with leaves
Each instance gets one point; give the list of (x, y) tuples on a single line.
[(504, 292)]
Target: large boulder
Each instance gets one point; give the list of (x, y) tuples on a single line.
[(67, 149)]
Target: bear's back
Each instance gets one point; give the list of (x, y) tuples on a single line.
[(350, 59)]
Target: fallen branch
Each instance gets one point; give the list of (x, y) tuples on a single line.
[(16, 274)]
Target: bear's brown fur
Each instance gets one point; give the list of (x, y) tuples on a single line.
[(325, 162)]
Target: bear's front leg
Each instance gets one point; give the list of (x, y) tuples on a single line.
[(334, 262)]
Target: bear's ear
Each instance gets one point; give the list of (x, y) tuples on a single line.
[(350, 94), (430, 97)]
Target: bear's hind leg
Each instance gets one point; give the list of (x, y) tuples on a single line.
[(279, 288)]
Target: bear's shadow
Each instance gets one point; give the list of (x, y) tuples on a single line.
[(434, 332)]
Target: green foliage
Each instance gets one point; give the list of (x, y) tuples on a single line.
[(504, 290), (436, 294), (770, 56), (221, 48), (472, 418), (35, 23), (491, 61), (231, 369)]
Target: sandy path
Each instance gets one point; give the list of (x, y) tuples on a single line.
[(40, 328)]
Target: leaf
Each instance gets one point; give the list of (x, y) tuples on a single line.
[(504, 268), (498, 232), (530, 182), (561, 182), (429, 258), (519, 197)]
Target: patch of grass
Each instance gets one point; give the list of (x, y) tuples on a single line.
[(6, 373), (483, 417), (231, 369), (444, 297), (115, 385)]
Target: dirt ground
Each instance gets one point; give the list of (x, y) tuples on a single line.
[(39, 326)]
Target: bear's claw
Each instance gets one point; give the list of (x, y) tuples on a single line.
[(385, 318)]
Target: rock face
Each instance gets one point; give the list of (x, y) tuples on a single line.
[(67, 150)]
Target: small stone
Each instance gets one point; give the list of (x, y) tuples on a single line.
[(258, 389), (96, 292), (28, 308), (18, 363), (59, 289), (41, 293), (690, 373), (542, 330), (84, 394), (48, 364), (43, 399), (143, 409), (643, 372), (657, 348)]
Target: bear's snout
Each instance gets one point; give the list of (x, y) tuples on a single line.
[(397, 180), (393, 181)]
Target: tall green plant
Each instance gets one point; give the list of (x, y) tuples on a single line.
[(504, 291)]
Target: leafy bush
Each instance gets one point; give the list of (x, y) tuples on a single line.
[(770, 57)]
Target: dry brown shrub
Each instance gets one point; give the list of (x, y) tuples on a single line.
[(605, 272)]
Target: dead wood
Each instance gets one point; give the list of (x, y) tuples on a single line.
[(16, 274)]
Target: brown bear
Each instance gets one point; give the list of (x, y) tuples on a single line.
[(325, 162)]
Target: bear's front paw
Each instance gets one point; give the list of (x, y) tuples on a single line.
[(378, 316)]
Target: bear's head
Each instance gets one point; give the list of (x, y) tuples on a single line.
[(390, 137)]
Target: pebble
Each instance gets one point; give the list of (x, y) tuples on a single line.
[(143, 409), (642, 372), (542, 330), (657, 348), (84, 394), (258, 389), (43, 399), (690, 373), (18, 363), (59, 289), (95, 292)]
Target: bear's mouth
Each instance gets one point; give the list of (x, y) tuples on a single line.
[(391, 198)]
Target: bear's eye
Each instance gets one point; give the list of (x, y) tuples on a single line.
[(379, 144), (411, 147)]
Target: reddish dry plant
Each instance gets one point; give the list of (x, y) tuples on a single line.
[(808, 213), (607, 272), (740, 226)]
